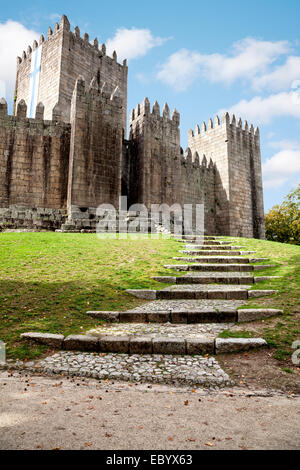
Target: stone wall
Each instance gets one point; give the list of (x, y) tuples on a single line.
[(158, 171), (95, 150), (65, 56), (235, 150), (78, 157), (34, 159)]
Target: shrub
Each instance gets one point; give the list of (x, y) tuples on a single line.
[(283, 221)]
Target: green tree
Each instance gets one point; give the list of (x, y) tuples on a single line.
[(283, 221)]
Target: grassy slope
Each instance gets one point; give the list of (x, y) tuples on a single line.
[(49, 280), (281, 331)]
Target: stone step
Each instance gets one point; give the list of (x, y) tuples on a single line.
[(216, 252), (265, 278), (193, 236), (151, 345), (200, 292), (215, 267), (219, 259), (214, 278), (213, 247), (220, 267), (207, 242), (208, 278), (204, 315), (197, 292), (190, 315)]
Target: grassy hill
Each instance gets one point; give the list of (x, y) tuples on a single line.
[(49, 280)]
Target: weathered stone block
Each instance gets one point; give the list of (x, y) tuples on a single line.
[(200, 346), (179, 317), (133, 317), (158, 317), (245, 315), (111, 317), (227, 345), (146, 294), (48, 339), (114, 344), (168, 345), (81, 343), (140, 345), (261, 293)]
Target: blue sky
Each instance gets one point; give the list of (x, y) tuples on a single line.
[(201, 57)]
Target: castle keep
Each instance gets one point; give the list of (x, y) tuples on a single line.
[(64, 150)]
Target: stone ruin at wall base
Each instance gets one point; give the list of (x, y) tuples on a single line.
[(63, 152)]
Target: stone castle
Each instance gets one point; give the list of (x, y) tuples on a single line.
[(64, 150)]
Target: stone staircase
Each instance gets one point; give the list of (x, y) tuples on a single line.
[(182, 319)]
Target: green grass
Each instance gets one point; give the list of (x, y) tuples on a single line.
[(236, 334), (49, 280), (280, 333)]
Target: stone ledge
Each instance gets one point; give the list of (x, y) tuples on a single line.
[(265, 278), (206, 315), (229, 345), (141, 345), (200, 346), (117, 344), (49, 339), (81, 343), (261, 293), (133, 317), (111, 317), (167, 345), (260, 267), (147, 294), (146, 344), (246, 315)]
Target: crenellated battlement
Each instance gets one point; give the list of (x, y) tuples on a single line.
[(227, 122), (38, 123), (58, 60), (75, 37), (144, 110)]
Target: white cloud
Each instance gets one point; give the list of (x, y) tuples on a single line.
[(283, 77), (284, 166), (249, 57), (181, 69), (263, 110), (14, 38), (133, 43)]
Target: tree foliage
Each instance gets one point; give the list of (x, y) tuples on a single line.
[(283, 221)]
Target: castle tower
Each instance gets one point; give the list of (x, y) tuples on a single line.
[(235, 151), (159, 171), (156, 140), (47, 72)]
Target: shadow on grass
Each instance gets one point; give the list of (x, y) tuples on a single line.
[(55, 307)]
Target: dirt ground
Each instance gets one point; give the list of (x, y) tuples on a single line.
[(259, 369), (38, 412)]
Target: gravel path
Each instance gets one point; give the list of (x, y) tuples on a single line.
[(60, 413)]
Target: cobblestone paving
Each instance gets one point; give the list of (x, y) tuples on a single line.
[(155, 368), (186, 305), (171, 330)]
